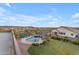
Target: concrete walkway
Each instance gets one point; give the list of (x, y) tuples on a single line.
[(6, 43), (24, 47)]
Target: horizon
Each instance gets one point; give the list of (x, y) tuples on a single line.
[(38, 26), (39, 14)]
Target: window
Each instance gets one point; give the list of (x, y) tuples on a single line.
[(62, 33), (55, 33), (72, 34), (76, 35)]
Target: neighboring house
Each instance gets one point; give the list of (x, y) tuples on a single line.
[(66, 32)]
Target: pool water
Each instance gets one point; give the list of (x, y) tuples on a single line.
[(33, 39)]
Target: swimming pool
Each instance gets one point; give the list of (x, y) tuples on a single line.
[(33, 39)]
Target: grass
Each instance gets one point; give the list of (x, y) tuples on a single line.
[(55, 47)]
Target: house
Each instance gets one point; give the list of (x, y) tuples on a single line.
[(69, 32)]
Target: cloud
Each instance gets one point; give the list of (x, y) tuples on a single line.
[(2, 10), (55, 19), (27, 20), (37, 19), (55, 22), (76, 15), (1, 21), (8, 4), (53, 10), (21, 19), (12, 18), (1, 14), (75, 22), (52, 23)]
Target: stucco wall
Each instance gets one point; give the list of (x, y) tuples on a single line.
[(67, 32)]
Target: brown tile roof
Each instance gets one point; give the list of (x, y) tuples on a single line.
[(71, 29)]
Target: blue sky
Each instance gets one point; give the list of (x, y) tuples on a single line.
[(39, 15)]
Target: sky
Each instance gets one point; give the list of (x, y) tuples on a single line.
[(39, 14)]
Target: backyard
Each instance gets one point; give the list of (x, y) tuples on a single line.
[(55, 47)]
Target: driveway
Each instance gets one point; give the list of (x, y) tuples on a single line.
[(6, 43)]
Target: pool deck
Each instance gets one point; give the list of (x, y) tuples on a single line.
[(24, 47)]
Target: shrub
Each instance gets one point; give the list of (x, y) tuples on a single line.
[(35, 44), (45, 42), (48, 39), (55, 37), (65, 39), (76, 42), (58, 38)]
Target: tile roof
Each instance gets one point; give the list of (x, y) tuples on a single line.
[(71, 29)]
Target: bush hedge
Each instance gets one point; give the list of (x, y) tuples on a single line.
[(45, 42), (35, 44), (65, 39), (76, 42)]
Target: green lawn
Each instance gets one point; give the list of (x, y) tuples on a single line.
[(55, 47)]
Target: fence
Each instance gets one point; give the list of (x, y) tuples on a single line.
[(17, 50)]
